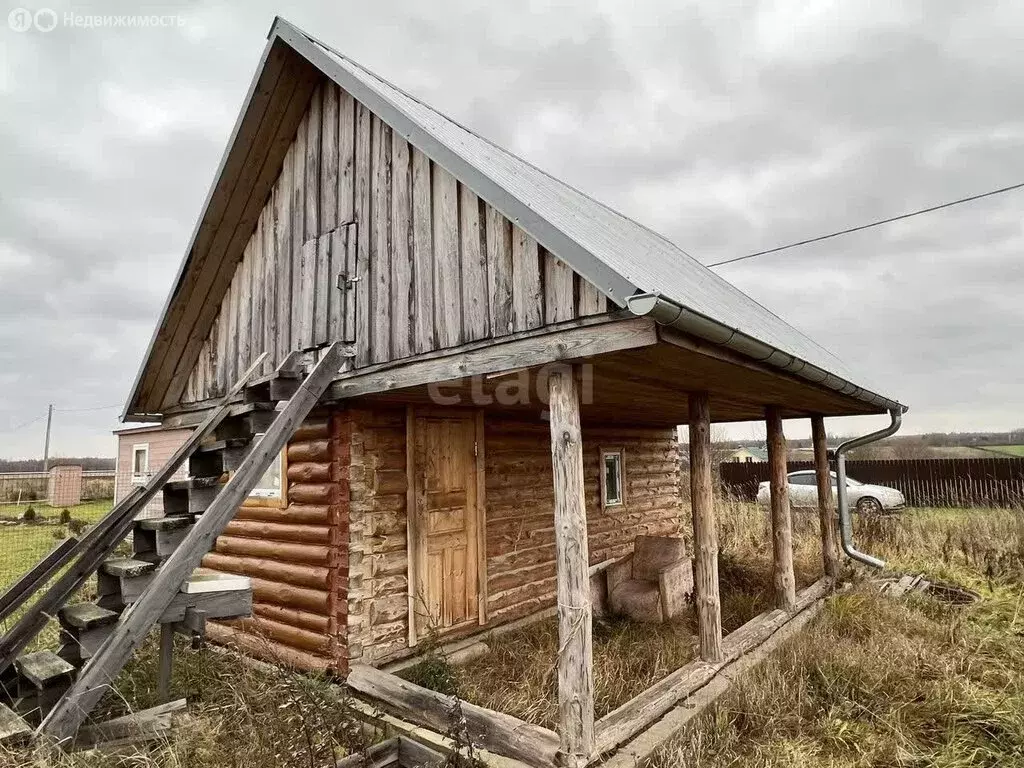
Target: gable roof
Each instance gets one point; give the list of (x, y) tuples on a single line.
[(634, 266)]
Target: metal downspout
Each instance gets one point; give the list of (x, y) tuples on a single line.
[(845, 520)]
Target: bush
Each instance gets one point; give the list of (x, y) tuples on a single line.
[(29, 513), (65, 516)]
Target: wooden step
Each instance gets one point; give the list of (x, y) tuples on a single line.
[(85, 616), (13, 729), (198, 493), (219, 457), (155, 539), (44, 669), (273, 388), (84, 627), (121, 580), (246, 421)]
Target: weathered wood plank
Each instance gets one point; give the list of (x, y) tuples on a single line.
[(826, 514), (231, 350), (401, 310), (494, 731), (337, 267), (575, 655), (284, 259), (705, 532), (311, 193), (422, 253), (499, 271), (244, 342), (527, 310), (486, 357), (472, 231), (329, 158), (447, 288), (592, 301), (93, 679), (782, 521), (257, 290), (346, 157), (305, 272), (270, 267), (322, 290), (380, 243), (362, 288), (558, 289), (298, 227)]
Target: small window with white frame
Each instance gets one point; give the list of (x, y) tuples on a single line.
[(271, 486), (140, 464), (612, 491)]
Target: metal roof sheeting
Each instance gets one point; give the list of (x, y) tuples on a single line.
[(645, 261)]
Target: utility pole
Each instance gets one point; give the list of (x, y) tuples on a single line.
[(46, 445)]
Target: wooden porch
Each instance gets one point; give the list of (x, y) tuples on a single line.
[(627, 372)]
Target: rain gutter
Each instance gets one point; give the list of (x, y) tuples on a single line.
[(665, 311)]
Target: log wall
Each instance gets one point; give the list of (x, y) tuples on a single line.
[(364, 239), (519, 518), (296, 555)]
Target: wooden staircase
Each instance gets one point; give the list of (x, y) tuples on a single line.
[(51, 692)]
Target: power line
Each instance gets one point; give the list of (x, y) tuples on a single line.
[(83, 410), (28, 423), (869, 226)]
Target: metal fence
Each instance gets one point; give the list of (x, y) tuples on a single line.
[(924, 482)]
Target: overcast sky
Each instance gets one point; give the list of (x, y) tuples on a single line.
[(729, 130)]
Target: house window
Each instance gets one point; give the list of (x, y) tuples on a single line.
[(271, 485), (140, 464), (612, 494)]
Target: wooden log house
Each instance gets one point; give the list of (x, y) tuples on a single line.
[(521, 356)]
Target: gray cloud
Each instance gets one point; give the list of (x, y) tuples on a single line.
[(727, 127)]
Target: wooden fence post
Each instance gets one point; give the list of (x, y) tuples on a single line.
[(705, 533), (782, 522), (826, 515), (575, 656)]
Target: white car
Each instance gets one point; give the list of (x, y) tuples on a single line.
[(866, 499)]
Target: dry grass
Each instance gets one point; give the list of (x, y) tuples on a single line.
[(238, 715), (518, 676), (876, 682)]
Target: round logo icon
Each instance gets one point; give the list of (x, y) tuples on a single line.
[(45, 19), (20, 19)]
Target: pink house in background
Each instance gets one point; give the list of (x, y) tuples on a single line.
[(141, 451)]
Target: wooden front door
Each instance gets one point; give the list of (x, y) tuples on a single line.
[(446, 521)]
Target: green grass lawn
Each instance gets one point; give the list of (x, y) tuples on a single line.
[(881, 682), (1005, 450), (89, 511)]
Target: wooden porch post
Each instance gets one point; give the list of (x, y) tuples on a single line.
[(782, 522), (575, 657), (705, 534), (826, 515)]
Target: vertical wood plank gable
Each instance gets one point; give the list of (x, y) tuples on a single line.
[(473, 267), (558, 289), (499, 271), (526, 286), (363, 226), (447, 282), (380, 245), (422, 254), (231, 354), (401, 247)]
